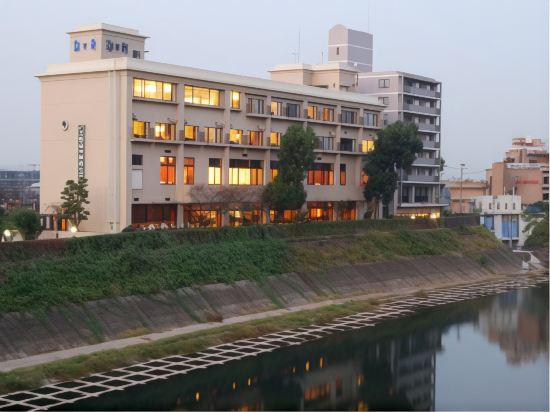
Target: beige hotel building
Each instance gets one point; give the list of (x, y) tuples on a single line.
[(175, 146)]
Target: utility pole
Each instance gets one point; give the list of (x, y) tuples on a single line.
[(461, 174)]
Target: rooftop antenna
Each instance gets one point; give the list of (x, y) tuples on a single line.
[(368, 16), (297, 53), (322, 57)]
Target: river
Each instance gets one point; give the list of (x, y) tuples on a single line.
[(484, 354)]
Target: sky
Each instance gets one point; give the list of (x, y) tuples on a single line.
[(491, 56)]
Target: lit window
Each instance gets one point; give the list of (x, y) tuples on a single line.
[(328, 114), (320, 210), (202, 96), (343, 174), (275, 139), (312, 112), (283, 216), (139, 129), (167, 170), (214, 171), (245, 172), (367, 145), (276, 108), (213, 134), (235, 136), (235, 100), (255, 105), (164, 131), (321, 174), (189, 171), (274, 169), (364, 178), (191, 132), (255, 138), (246, 217), (151, 89)]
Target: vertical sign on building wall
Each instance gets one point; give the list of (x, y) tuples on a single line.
[(81, 137)]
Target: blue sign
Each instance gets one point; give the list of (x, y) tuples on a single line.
[(76, 46), (92, 44)]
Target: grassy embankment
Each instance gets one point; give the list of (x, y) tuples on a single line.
[(39, 275)]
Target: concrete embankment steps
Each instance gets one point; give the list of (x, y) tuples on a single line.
[(25, 334)]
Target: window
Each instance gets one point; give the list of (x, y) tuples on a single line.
[(338, 51), (145, 215), (235, 100), (364, 178), (325, 143), (321, 174), (275, 139), (370, 119), (367, 146), (167, 170), (383, 83), (191, 132), (245, 172), (136, 54), (274, 169), (545, 180), (235, 136), (328, 114), (347, 211), (246, 217), (284, 216), (312, 112), (383, 100), (343, 174), (151, 89), (164, 131), (137, 160), (421, 194), (137, 179), (214, 171), (195, 215), (292, 110), (202, 95), (255, 106), (255, 138), (489, 222), (213, 134), (320, 210), (188, 170), (349, 116), (276, 108), (139, 129), (347, 145)]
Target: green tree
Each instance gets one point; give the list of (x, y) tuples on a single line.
[(537, 225), (295, 158), (27, 221), (75, 197), (396, 148)]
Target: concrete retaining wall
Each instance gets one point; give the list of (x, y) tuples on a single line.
[(24, 334)]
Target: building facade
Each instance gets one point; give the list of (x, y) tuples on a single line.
[(502, 216), (471, 189), (170, 146), (524, 171), (18, 188), (406, 97)]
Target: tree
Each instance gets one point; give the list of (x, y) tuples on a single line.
[(537, 220), (75, 197), (27, 221), (395, 149), (296, 156)]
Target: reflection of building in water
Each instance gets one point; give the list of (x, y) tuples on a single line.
[(512, 323)]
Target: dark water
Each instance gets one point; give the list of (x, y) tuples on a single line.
[(484, 354)]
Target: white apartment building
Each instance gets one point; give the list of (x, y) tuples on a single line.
[(174, 146), (502, 215)]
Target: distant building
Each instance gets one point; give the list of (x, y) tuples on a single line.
[(502, 216), (470, 190), (17, 188), (407, 97), (524, 171)]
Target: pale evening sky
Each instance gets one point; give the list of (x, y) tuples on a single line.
[(491, 55)]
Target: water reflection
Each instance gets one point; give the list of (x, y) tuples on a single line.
[(388, 367), (518, 323)]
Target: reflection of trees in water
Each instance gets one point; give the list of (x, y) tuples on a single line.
[(518, 322), (387, 367)]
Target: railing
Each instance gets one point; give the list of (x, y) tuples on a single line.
[(421, 109), (421, 91), (355, 120), (427, 127), (347, 145), (245, 140), (428, 144), (319, 116), (420, 178), (263, 110), (201, 138), (420, 161)]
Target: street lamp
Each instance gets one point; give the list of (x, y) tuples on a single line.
[(74, 229), (7, 235), (461, 170)]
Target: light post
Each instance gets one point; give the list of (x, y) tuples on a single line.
[(461, 173)]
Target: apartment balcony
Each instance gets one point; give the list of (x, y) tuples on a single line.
[(421, 161), (245, 140), (319, 117), (257, 111), (201, 138), (421, 92), (428, 144), (356, 121), (420, 178), (427, 127), (422, 109)]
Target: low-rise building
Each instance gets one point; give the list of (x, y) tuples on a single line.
[(502, 215), (174, 146), (463, 194)]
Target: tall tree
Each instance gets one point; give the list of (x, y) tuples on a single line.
[(75, 197), (396, 148), (295, 158)]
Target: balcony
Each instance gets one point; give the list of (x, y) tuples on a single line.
[(350, 120), (201, 138), (347, 145), (421, 161), (427, 127), (319, 116), (429, 144), (286, 111), (257, 111), (420, 178), (421, 91), (245, 140), (421, 109)]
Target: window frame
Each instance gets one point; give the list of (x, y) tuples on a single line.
[(169, 166), (188, 166)]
